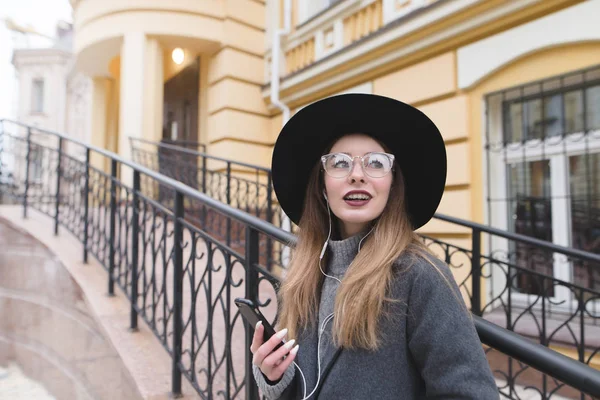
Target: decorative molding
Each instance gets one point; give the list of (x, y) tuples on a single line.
[(397, 30), (301, 55), (479, 59), (337, 12), (363, 22)]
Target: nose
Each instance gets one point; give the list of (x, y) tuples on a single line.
[(357, 172)]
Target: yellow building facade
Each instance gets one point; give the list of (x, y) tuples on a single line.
[(443, 56)]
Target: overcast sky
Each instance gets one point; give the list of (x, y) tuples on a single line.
[(42, 15)]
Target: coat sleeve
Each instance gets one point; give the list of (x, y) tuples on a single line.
[(442, 338), (278, 390)]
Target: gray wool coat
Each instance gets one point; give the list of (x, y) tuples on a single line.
[(430, 348)]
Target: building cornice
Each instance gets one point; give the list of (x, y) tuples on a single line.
[(439, 27), (23, 57)]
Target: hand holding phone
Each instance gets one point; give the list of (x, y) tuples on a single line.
[(271, 355), (252, 315)]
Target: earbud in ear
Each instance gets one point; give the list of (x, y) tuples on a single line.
[(325, 195)]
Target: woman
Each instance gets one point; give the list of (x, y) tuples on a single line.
[(365, 310)]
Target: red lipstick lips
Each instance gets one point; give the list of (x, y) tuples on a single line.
[(357, 198)]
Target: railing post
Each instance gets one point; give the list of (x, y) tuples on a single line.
[(476, 272), (269, 220), (203, 216), (252, 254), (58, 177), (135, 234), (177, 292), (228, 194), (27, 166), (86, 205), (113, 215)]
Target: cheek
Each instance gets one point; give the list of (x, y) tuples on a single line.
[(333, 186), (383, 189)]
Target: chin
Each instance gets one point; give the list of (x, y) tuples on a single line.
[(352, 218)]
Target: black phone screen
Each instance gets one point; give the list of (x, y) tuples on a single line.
[(252, 315)]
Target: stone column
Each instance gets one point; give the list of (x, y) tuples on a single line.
[(132, 92), (98, 119), (153, 98)]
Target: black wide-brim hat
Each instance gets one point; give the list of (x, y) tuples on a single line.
[(408, 133)]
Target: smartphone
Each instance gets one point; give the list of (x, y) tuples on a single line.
[(252, 315)]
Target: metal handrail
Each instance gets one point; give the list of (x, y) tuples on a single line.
[(543, 359), (255, 222), (587, 256), (550, 362), (185, 143), (521, 238), (200, 154)]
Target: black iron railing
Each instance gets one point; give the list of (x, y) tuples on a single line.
[(524, 284), (181, 279), (244, 186)]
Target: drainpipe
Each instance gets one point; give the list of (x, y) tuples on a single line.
[(276, 53)]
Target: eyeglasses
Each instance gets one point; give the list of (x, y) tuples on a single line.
[(375, 165)]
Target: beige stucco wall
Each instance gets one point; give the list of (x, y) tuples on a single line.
[(419, 82), (238, 120), (227, 35), (431, 86)]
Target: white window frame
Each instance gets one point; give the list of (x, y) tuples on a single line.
[(558, 156), (365, 88)]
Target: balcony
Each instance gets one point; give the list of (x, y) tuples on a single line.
[(353, 41)]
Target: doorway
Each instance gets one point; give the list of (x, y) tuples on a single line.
[(180, 127)]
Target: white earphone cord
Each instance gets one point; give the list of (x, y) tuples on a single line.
[(329, 317)]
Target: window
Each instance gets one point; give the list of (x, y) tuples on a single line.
[(592, 102), (552, 115), (37, 96), (543, 161)]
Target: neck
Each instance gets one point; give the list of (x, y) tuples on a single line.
[(348, 229)]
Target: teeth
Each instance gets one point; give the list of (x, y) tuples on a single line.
[(357, 197)]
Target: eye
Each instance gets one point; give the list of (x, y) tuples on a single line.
[(377, 161), (375, 164), (339, 162)]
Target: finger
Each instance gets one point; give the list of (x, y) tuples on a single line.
[(279, 370), (257, 339), (266, 348), (275, 358)]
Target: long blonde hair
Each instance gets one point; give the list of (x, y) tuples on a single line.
[(361, 296)]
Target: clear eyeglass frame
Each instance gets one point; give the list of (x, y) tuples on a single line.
[(324, 159)]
